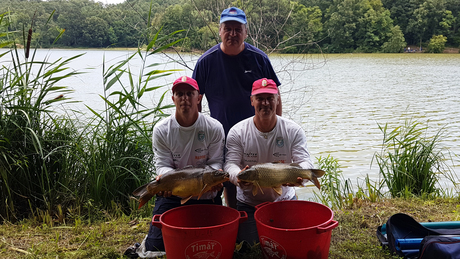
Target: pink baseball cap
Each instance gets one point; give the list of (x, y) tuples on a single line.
[(264, 86), (185, 80)]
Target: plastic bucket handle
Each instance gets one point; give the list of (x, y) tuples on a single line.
[(333, 224), (243, 216), (156, 221), (262, 204)]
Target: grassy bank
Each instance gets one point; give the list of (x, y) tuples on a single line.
[(354, 237)]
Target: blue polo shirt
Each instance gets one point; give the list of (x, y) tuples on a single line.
[(226, 81)]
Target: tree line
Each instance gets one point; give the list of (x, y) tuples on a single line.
[(284, 26)]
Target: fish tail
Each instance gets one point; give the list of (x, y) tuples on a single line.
[(144, 194), (318, 172), (316, 182), (144, 199), (140, 190)]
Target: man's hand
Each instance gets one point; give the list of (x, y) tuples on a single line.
[(163, 193)]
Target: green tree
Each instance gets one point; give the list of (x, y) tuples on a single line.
[(281, 25), (357, 25), (425, 21), (375, 28), (207, 35), (305, 28), (448, 27), (437, 44), (401, 11), (396, 42), (95, 32)]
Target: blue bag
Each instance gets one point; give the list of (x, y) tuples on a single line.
[(440, 247), (403, 236)]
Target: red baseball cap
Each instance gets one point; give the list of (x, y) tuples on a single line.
[(185, 80), (264, 86)]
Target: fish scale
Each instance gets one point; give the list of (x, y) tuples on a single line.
[(185, 182), (276, 174)]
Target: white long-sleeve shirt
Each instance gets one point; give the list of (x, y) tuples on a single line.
[(246, 145), (199, 145)]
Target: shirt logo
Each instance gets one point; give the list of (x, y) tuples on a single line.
[(280, 142), (277, 154), (250, 154), (247, 71), (201, 136), (200, 150)]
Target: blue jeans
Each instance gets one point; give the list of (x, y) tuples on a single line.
[(154, 241)]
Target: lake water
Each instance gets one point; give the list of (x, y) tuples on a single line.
[(338, 99)]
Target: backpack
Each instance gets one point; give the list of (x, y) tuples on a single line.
[(440, 247), (403, 236)]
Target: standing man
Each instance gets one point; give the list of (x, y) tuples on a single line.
[(225, 74), (263, 138), (185, 138)]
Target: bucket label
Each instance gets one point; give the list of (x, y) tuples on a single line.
[(203, 249), (272, 249)]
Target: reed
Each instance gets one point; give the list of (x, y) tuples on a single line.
[(33, 140), (117, 152), (57, 165), (336, 192), (411, 162)]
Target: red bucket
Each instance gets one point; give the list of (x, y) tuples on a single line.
[(294, 229), (200, 231)]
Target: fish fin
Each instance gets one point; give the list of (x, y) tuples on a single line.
[(278, 190), (254, 190), (202, 191), (316, 182), (318, 172), (144, 199), (144, 194), (256, 186), (184, 200)]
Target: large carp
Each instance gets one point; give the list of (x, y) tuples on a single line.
[(186, 182), (276, 174)]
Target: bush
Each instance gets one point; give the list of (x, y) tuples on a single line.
[(437, 44), (411, 163)]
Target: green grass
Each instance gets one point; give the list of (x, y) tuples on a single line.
[(355, 237), (411, 162)]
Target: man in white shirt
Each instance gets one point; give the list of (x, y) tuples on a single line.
[(185, 138), (265, 137)]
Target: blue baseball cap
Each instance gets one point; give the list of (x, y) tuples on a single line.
[(233, 14)]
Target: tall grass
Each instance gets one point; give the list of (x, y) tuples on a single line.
[(411, 162), (335, 192), (52, 164), (116, 154), (33, 140)]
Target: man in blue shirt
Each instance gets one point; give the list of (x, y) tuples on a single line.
[(225, 74)]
